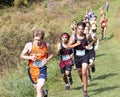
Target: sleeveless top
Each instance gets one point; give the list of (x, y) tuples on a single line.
[(93, 25), (41, 53), (80, 50), (93, 46), (104, 21), (65, 53)]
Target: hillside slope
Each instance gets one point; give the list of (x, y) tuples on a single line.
[(105, 81)]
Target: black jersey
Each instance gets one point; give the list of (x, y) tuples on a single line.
[(80, 49), (65, 53)]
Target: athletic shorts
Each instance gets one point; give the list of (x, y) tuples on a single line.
[(94, 30), (35, 74), (66, 68), (79, 60), (91, 54), (64, 63)]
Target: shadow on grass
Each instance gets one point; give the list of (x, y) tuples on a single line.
[(100, 55), (77, 88), (105, 76), (100, 90), (80, 87), (110, 36), (92, 84)]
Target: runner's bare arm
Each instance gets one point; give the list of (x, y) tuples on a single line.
[(58, 49), (72, 43), (24, 54), (89, 38), (97, 43), (50, 52)]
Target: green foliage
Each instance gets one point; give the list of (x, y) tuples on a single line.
[(16, 28), (11, 46), (6, 2), (16, 86), (11, 2), (17, 2)]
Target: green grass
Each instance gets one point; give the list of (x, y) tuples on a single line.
[(105, 81)]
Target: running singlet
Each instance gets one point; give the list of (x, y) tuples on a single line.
[(80, 50), (103, 23), (93, 25), (101, 11), (65, 57), (41, 53)]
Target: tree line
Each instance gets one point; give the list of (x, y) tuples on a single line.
[(17, 2)]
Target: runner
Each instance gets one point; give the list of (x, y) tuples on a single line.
[(91, 13), (103, 22), (73, 27), (37, 54), (93, 24), (101, 10), (107, 6), (86, 14), (66, 60), (88, 25), (91, 53), (81, 59)]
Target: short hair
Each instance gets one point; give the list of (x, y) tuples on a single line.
[(38, 33), (95, 16), (81, 24)]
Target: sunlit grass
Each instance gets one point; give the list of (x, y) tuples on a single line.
[(16, 28)]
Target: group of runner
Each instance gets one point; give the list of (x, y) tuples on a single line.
[(78, 49)]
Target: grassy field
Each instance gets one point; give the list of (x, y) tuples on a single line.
[(105, 81)]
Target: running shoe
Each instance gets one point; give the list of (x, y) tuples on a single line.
[(46, 93), (70, 81), (104, 38), (89, 78), (67, 87), (86, 95), (93, 68)]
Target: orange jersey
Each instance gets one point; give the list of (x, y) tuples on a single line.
[(41, 53)]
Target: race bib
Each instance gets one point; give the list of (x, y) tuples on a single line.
[(80, 52), (38, 63), (91, 47), (65, 57), (103, 24)]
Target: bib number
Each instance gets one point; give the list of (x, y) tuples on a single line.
[(65, 57), (91, 47), (80, 52), (103, 24), (38, 63)]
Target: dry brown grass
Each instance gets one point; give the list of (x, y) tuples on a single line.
[(17, 24), (117, 26)]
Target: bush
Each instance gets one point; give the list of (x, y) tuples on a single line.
[(10, 48)]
